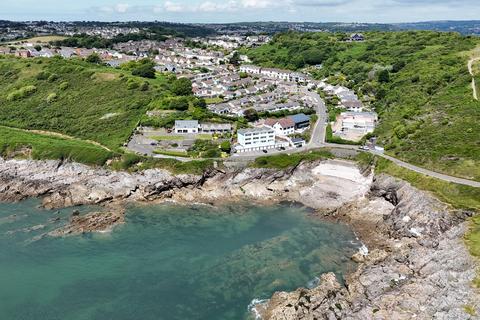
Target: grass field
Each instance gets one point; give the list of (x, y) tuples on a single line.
[(42, 39), (14, 142)]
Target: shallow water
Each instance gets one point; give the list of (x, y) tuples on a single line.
[(167, 262)]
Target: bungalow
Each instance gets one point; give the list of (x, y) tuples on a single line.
[(215, 127), (357, 37), (222, 108), (300, 120), (282, 127), (298, 142), (247, 68), (186, 126), (353, 105)]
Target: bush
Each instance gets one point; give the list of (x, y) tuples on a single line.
[(94, 58), (63, 86), (51, 97), (21, 93)]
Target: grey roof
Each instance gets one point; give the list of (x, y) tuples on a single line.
[(299, 118), (184, 124), (256, 129)]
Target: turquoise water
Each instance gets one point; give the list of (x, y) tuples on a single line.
[(167, 262)]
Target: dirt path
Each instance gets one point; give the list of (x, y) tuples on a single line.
[(470, 70)]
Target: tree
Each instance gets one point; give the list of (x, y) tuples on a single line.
[(182, 87), (38, 47), (144, 68), (200, 103), (251, 115), (180, 104), (225, 146), (94, 58), (384, 76), (235, 59)]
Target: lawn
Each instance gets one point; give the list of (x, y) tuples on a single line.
[(213, 100), (172, 153)]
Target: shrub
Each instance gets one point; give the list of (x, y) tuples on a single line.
[(21, 93), (63, 86), (51, 97)]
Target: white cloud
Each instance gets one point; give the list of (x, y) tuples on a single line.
[(122, 7), (170, 6)]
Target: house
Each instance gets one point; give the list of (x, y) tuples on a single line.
[(186, 126), (354, 125), (23, 53), (361, 121), (215, 127), (247, 68), (353, 105), (255, 139), (282, 126), (298, 142), (222, 108), (357, 37), (300, 120)]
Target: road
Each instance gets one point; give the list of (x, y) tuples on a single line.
[(414, 168), (317, 138), (470, 70)]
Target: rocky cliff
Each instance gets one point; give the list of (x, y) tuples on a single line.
[(417, 266)]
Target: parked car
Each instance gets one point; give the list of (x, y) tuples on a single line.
[(366, 148), (264, 151)]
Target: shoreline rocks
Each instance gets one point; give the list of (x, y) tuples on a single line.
[(416, 265)]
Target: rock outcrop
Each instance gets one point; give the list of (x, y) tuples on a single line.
[(417, 267)]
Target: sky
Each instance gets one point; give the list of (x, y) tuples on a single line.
[(381, 11)]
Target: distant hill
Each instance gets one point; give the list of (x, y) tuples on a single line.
[(463, 27)]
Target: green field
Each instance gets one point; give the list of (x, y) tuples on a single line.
[(419, 84), (14, 142), (75, 98)]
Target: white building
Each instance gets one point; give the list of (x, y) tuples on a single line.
[(186, 126), (247, 68), (254, 139), (282, 127)]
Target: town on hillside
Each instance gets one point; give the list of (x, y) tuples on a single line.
[(280, 110)]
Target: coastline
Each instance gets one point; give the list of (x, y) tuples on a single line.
[(415, 265)]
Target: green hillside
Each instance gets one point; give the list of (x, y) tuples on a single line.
[(76, 98), (418, 82), (40, 147)]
